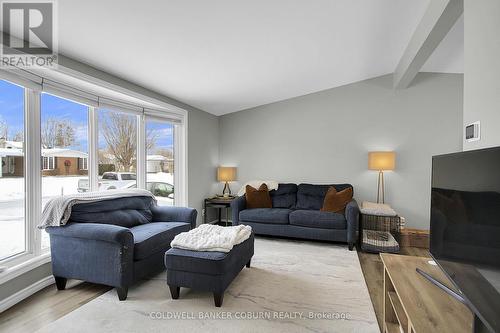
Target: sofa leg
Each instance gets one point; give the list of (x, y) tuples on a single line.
[(122, 293), (249, 262), (351, 246), (60, 282), (218, 298), (174, 291)]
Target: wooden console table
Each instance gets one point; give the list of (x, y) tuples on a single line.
[(413, 305)]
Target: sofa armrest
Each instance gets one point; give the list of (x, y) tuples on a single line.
[(175, 214), (352, 217), (95, 231), (237, 205)]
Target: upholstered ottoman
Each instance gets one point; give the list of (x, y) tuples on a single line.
[(210, 271)]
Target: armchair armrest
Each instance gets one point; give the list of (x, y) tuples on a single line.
[(175, 214), (94, 252), (237, 205), (352, 217), (95, 231)]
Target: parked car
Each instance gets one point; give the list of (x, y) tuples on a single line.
[(109, 181), (164, 192)]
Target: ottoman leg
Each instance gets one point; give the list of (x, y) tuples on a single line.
[(218, 298), (248, 263), (174, 291)]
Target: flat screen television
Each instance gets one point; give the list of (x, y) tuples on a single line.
[(465, 228)]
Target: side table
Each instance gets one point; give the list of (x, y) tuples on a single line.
[(218, 203)]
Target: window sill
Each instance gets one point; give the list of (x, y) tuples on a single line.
[(26, 266)]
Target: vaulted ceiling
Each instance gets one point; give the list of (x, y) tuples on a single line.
[(224, 56)]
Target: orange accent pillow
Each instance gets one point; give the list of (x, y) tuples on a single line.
[(336, 201), (258, 198)]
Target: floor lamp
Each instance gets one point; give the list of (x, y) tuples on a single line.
[(381, 161)]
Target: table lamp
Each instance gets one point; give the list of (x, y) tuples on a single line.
[(226, 174), (381, 161)]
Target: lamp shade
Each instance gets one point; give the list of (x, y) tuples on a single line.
[(381, 160), (226, 174)]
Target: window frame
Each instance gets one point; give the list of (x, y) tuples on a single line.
[(49, 159), (33, 86), (83, 163)]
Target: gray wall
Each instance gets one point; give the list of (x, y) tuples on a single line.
[(325, 138), (203, 158), (482, 70)]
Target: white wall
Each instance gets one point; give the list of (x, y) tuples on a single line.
[(482, 70), (325, 137)]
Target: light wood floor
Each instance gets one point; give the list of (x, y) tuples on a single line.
[(49, 305)]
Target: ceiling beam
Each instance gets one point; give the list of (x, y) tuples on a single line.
[(439, 18)]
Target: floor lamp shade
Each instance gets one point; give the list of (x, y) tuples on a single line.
[(226, 174), (381, 161)]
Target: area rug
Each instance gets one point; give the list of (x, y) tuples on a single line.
[(292, 286)]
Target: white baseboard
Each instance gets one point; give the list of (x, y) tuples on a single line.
[(25, 293)]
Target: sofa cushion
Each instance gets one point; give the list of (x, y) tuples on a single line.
[(258, 198), (124, 218), (265, 215), (285, 196), (336, 201), (114, 204), (155, 237), (311, 196), (125, 212), (318, 219)]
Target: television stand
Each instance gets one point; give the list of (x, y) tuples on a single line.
[(477, 325), (441, 286), (412, 305)]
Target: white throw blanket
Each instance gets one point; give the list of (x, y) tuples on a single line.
[(209, 237), (371, 208), (58, 210), (271, 185)]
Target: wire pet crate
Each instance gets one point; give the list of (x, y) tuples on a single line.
[(380, 233)]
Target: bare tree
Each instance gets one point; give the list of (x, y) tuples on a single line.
[(19, 136), (167, 166), (119, 132), (57, 133), (4, 129)]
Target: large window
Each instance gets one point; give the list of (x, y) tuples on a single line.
[(12, 199), (55, 140), (117, 150), (64, 143), (160, 161)]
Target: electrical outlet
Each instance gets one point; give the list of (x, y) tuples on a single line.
[(203, 212), (473, 132)]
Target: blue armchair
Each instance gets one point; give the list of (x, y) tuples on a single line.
[(116, 242)]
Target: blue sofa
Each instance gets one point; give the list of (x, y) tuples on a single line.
[(116, 242), (296, 213)]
